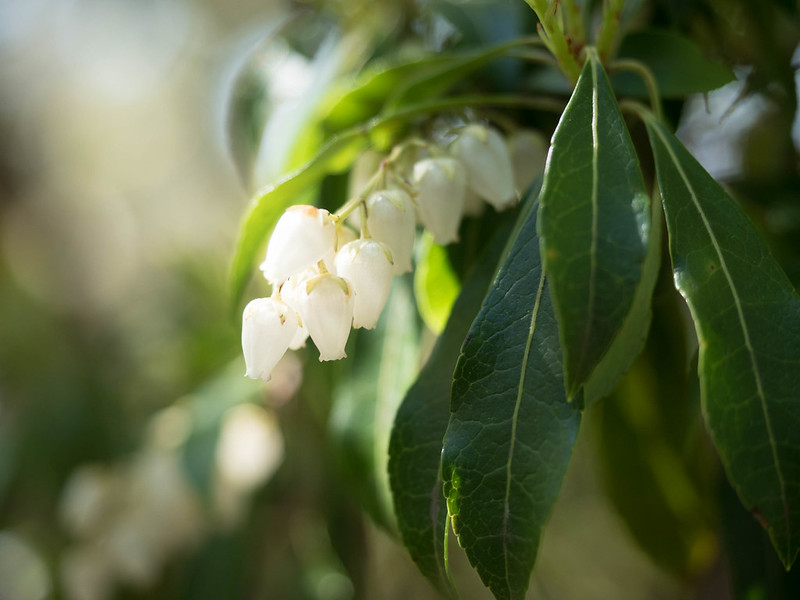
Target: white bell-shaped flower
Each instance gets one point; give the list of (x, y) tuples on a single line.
[(302, 237), (528, 154), (484, 153), (441, 185), (326, 309), (290, 294), (367, 267), (268, 326), (391, 220)]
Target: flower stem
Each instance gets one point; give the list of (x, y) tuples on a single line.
[(634, 66), (551, 30)]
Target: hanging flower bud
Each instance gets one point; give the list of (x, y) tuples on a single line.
[(367, 266), (441, 184), (391, 220), (268, 326), (326, 308), (528, 154), (484, 153), (302, 237)]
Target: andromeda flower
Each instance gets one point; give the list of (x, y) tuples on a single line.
[(268, 326), (484, 153), (528, 154), (391, 220), (441, 190), (303, 236), (367, 267), (325, 303)]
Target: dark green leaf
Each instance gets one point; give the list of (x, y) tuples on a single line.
[(756, 572), (416, 444), (511, 430), (595, 233), (675, 61), (367, 395), (747, 317)]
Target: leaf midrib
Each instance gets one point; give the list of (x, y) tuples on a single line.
[(743, 323), (514, 419), (589, 322)]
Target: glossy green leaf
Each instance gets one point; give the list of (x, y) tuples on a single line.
[(416, 444), (435, 285), (747, 318), (595, 233), (511, 430), (677, 63), (367, 395)]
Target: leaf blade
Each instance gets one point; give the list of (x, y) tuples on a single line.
[(595, 231), (677, 63), (747, 318), (420, 424), (509, 400)]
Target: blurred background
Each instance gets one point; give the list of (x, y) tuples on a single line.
[(135, 459)]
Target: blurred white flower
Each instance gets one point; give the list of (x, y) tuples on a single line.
[(88, 499), (23, 574), (303, 236), (367, 266), (86, 572), (485, 155), (268, 327), (528, 154), (441, 186)]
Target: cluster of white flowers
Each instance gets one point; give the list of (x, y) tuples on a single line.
[(325, 278)]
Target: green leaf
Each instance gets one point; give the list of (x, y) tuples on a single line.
[(367, 395), (435, 285), (358, 99), (595, 234), (416, 444), (511, 430), (436, 81), (747, 318), (386, 88), (679, 66)]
